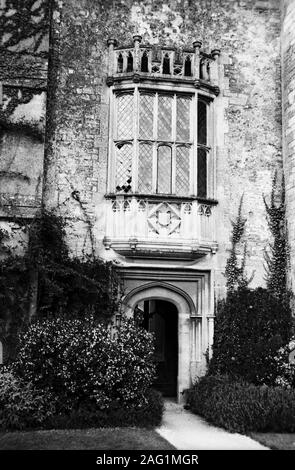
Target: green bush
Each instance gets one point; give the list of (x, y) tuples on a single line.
[(84, 362), (250, 327), (21, 404), (87, 415), (242, 407), (286, 377)]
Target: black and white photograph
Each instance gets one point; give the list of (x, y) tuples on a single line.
[(147, 230)]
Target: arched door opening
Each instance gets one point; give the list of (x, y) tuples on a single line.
[(161, 318)]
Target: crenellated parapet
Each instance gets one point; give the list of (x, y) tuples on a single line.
[(139, 61)]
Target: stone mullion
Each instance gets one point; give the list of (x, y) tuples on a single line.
[(135, 141), (155, 145), (173, 146), (112, 163), (194, 127)]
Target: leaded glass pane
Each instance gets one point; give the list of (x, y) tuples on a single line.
[(182, 170), (124, 168), (145, 168), (164, 169), (125, 113), (183, 118), (146, 116), (202, 172), (164, 117), (202, 123)]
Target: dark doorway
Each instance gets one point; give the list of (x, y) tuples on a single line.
[(160, 317)]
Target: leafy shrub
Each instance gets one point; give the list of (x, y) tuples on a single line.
[(88, 415), (21, 404), (250, 327), (286, 377), (82, 361), (242, 407)]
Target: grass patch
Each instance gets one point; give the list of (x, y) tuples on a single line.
[(278, 441), (83, 439)]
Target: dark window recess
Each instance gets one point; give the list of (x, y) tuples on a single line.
[(130, 62), (187, 67), (126, 188), (202, 123), (144, 63), (202, 173), (166, 65), (120, 63)]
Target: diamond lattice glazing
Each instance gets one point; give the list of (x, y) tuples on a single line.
[(182, 171), (164, 169), (164, 117), (145, 168), (182, 119), (125, 114), (146, 116), (124, 168)]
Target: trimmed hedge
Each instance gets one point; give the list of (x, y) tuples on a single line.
[(80, 373), (22, 406), (83, 361), (242, 407), (87, 416)]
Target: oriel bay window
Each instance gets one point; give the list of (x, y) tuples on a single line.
[(160, 143)]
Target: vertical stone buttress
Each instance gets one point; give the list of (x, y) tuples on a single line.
[(288, 105)]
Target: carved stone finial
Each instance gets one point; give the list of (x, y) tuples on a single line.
[(137, 38), (197, 44), (215, 53), (112, 41)]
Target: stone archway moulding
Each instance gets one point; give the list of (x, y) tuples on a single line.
[(161, 290), (185, 307)]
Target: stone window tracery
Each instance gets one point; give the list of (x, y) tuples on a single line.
[(160, 140)]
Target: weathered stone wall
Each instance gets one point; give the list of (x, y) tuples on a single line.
[(248, 111), (288, 86), (23, 83)]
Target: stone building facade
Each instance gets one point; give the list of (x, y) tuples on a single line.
[(160, 117)]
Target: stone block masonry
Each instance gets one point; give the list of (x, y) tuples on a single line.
[(248, 111)]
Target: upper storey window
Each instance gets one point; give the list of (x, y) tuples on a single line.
[(154, 142), (160, 139)]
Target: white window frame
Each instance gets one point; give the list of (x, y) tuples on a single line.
[(130, 87)]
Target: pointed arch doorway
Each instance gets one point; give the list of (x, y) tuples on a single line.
[(183, 305), (160, 317)]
